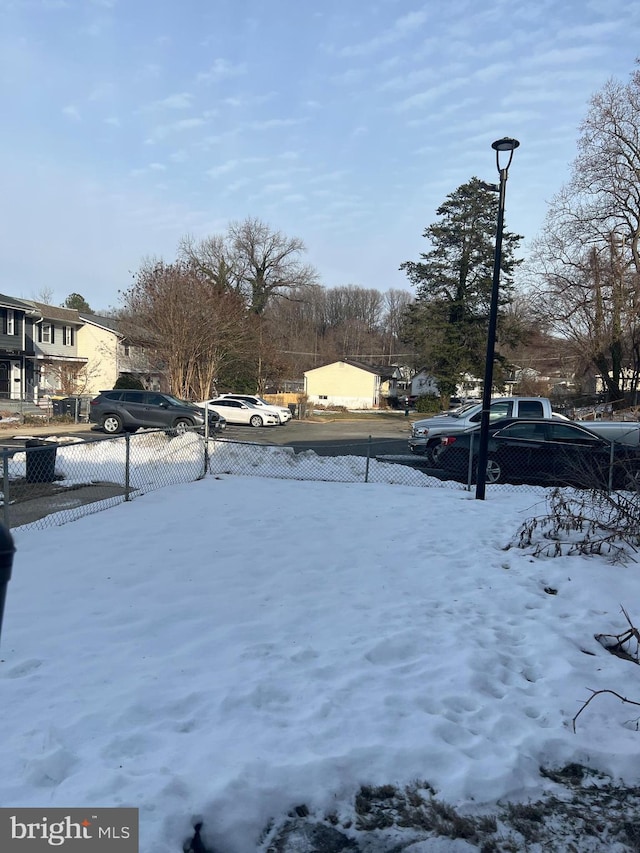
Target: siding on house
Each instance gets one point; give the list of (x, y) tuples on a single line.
[(54, 339), (110, 354), (99, 345), (343, 384), (16, 363)]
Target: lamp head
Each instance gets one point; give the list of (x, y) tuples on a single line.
[(504, 144)]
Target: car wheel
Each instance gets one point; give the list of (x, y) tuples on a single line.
[(255, 421), (431, 453), (494, 470), (112, 424), (182, 425)]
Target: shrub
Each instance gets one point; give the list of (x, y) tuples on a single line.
[(129, 381), (428, 403)]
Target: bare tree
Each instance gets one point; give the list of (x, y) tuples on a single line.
[(194, 329), (254, 260), (71, 379), (44, 295), (588, 256)]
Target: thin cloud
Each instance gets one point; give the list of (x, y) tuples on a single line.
[(181, 126), (420, 99), (223, 169), (72, 112), (152, 167), (270, 123), (232, 165), (402, 27), (221, 70), (180, 101)]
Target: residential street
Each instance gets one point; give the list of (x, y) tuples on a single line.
[(389, 435)]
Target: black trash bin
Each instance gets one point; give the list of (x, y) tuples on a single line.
[(292, 409), (41, 461), (57, 407)]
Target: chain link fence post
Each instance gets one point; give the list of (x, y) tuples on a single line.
[(206, 457), (6, 508), (611, 464), (366, 470), (127, 467), (470, 466)]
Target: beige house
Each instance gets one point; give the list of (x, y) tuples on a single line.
[(349, 384), (110, 355)]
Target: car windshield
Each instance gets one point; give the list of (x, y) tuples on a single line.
[(176, 401), (462, 410)]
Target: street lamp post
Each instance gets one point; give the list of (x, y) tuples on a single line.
[(509, 145)]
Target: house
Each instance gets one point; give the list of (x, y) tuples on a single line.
[(348, 383), (58, 368), (110, 354), (18, 375), (424, 385)]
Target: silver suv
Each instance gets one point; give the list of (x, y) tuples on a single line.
[(118, 410)]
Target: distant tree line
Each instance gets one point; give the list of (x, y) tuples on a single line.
[(242, 310)]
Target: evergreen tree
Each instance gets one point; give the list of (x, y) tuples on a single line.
[(447, 324), (78, 302), (129, 381)]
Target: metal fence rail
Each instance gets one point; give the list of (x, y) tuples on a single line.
[(530, 462), (355, 464), (47, 484)]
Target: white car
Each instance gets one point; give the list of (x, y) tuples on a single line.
[(239, 412), (283, 413)]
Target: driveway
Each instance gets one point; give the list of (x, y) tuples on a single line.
[(376, 435)]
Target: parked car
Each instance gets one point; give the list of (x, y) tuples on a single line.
[(283, 413), (118, 410), (543, 451), (426, 433), (240, 412)]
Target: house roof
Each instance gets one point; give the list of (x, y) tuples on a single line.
[(108, 323), (52, 312), (383, 371), (21, 304)]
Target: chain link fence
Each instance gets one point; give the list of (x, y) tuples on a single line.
[(48, 483), (357, 462), (549, 454)]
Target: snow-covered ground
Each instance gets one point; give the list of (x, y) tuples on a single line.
[(227, 649)]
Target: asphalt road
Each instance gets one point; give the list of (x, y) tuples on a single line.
[(379, 435)]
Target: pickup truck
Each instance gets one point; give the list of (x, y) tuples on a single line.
[(426, 433)]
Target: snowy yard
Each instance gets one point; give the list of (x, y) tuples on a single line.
[(226, 650)]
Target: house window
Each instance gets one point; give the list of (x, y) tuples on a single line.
[(126, 349), (11, 322), (323, 397), (46, 333), (67, 336)]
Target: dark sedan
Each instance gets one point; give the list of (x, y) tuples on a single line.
[(545, 452)]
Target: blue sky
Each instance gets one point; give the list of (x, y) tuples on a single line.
[(128, 124)]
